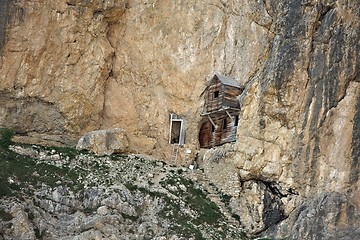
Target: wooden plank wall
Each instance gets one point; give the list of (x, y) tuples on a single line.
[(221, 135), (230, 97), (227, 97), (214, 104)]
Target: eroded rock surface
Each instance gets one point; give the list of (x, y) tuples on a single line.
[(125, 64), (104, 142), (64, 194), (299, 120), (328, 216)]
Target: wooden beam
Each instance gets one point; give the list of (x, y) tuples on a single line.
[(229, 115), (212, 122)]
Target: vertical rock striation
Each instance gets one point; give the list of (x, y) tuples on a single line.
[(299, 127), (128, 64)]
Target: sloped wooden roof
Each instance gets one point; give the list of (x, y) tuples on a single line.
[(228, 81)]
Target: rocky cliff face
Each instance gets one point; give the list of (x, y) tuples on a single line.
[(74, 66), (124, 64), (299, 121)]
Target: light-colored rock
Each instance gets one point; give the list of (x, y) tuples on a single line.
[(21, 226), (104, 142), (123, 64), (103, 210)]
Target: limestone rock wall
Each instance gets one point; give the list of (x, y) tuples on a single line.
[(58, 53), (299, 120), (126, 64)]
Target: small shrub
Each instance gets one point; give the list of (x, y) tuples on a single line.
[(89, 210), (168, 181), (132, 218), (5, 137), (237, 217), (130, 186), (225, 198), (5, 216)]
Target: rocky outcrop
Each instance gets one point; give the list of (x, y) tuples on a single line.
[(49, 193), (64, 66), (328, 216), (298, 125), (104, 142), (126, 64)]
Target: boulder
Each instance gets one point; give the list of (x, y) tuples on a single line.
[(104, 142)]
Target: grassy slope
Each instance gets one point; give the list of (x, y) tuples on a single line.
[(22, 175)]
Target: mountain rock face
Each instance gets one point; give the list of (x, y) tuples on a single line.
[(127, 64), (73, 66)]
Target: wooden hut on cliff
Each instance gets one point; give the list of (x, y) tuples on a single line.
[(221, 112)]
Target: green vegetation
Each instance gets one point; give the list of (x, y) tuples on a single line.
[(132, 218), (20, 173), (168, 181), (195, 199), (4, 216), (209, 211), (5, 137), (70, 152), (184, 205), (225, 198)]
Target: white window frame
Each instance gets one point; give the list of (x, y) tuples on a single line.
[(173, 119)]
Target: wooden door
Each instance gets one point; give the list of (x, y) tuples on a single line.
[(205, 135)]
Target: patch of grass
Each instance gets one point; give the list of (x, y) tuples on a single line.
[(4, 216), (130, 186), (225, 198), (68, 151), (196, 199), (20, 172), (5, 137), (235, 216), (168, 181), (180, 222), (89, 210), (208, 210), (132, 218), (117, 157)]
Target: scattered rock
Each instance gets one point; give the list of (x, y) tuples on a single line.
[(103, 210)]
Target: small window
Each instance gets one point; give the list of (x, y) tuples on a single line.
[(212, 128), (236, 120), (224, 125), (216, 94)]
